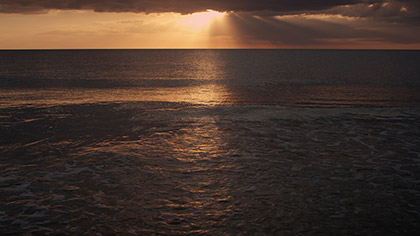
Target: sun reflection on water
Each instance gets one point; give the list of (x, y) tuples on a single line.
[(203, 86)]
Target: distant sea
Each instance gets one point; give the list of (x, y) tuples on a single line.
[(210, 142)]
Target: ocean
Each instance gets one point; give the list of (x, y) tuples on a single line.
[(209, 142)]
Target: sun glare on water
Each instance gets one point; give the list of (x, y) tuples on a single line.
[(201, 19)]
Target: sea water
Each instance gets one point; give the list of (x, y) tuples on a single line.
[(210, 142)]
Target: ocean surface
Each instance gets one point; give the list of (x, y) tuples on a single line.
[(209, 142)]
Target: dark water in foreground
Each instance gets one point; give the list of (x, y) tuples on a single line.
[(210, 142)]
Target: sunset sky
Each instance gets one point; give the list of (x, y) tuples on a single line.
[(85, 24)]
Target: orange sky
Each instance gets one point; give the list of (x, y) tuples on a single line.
[(85, 29)]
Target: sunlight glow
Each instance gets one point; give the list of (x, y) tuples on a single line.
[(201, 19)]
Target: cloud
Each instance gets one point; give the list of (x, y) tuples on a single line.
[(384, 9), (179, 6), (392, 10)]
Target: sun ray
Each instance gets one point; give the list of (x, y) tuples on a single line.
[(200, 20)]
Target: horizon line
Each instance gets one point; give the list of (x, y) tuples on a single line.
[(97, 49)]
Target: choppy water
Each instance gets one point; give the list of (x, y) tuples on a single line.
[(210, 142)]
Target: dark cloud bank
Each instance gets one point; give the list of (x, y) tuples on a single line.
[(184, 6), (181, 6)]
